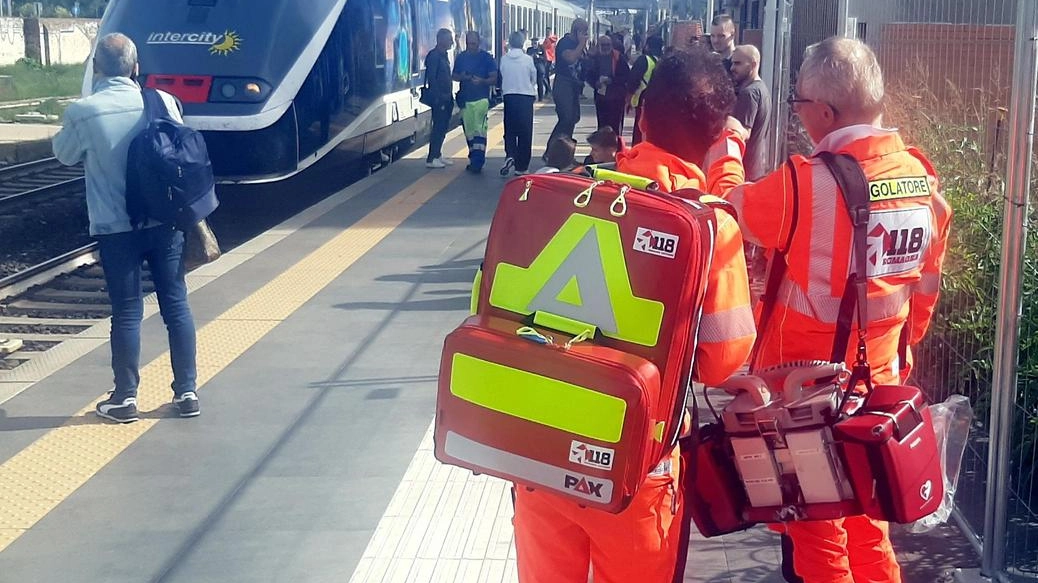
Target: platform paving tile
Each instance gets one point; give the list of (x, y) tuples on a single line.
[(446, 524)]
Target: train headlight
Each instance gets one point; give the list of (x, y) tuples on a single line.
[(238, 90)]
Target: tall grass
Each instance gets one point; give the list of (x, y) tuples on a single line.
[(29, 80)]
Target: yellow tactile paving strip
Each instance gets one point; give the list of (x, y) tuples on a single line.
[(36, 480)]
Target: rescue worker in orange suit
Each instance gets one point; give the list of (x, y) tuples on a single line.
[(799, 214), (557, 540)]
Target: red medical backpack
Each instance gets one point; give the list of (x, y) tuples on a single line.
[(572, 375)]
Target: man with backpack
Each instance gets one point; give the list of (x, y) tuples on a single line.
[(799, 213), (97, 131)]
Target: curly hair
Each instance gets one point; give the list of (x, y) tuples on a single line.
[(687, 102)]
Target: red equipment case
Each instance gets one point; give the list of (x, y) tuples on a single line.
[(890, 454), (566, 254)]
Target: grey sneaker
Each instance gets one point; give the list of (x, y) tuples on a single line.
[(187, 404), (507, 168), (119, 410)]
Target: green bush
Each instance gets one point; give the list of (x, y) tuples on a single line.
[(966, 143)]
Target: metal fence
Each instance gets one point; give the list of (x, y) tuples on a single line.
[(960, 86)]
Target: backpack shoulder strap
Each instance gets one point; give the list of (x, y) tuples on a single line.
[(853, 184), (154, 106), (717, 202)]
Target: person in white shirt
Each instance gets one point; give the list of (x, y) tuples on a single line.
[(519, 87)]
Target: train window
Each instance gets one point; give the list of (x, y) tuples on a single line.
[(425, 32)]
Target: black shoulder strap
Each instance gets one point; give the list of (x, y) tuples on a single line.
[(154, 107), (776, 271), (853, 184)]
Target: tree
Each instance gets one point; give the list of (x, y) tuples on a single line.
[(27, 10), (63, 8)]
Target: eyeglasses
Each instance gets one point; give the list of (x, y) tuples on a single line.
[(793, 100)]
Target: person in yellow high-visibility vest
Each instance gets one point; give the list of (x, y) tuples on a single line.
[(639, 79)]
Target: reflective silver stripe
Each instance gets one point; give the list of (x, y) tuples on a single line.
[(718, 150), (727, 325), (527, 470), (823, 231), (826, 308), (929, 284)]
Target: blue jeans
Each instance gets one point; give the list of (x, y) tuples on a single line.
[(122, 257)]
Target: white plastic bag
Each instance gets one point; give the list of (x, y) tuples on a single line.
[(951, 424)]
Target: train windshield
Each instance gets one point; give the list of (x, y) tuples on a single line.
[(235, 38)]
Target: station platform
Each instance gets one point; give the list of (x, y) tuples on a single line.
[(319, 345), (26, 132), (22, 142)]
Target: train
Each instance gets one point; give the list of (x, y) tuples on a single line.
[(276, 85)]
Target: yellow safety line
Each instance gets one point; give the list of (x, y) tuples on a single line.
[(41, 476)]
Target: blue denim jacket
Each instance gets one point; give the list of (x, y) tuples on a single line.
[(97, 130)]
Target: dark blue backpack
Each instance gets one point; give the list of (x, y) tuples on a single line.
[(169, 178)]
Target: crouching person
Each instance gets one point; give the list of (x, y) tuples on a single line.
[(557, 541)]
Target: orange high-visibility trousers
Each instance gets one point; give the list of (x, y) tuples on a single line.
[(556, 540), (855, 549)]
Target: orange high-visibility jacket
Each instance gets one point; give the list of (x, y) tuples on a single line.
[(799, 210), (726, 330)]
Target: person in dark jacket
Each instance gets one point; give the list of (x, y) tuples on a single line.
[(438, 85), (541, 64), (607, 73), (569, 54)]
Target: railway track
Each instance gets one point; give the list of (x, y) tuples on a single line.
[(49, 303), (39, 179)]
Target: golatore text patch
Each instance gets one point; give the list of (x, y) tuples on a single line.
[(894, 188)]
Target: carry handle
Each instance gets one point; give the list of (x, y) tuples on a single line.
[(793, 387), (584, 198), (562, 323), (899, 432), (619, 206), (608, 172), (754, 385)]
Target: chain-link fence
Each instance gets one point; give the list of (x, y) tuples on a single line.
[(948, 67)]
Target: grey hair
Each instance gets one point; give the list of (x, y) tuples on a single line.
[(844, 73), (115, 55), (516, 40)]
